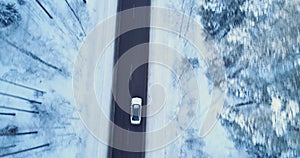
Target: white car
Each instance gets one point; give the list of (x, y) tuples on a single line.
[(136, 111)]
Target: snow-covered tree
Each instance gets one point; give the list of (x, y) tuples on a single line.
[(259, 44), (219, 17), (8, 14), (193, 145)]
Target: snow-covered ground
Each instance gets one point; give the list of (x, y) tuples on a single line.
[(39, 52), (188, 141)]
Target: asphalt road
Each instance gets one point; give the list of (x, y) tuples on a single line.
[(137, 83)]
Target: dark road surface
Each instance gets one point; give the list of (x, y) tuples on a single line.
[(137, 83)]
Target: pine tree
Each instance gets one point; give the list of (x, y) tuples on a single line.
[(262, 68)]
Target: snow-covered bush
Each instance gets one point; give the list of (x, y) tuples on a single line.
[(21, 2), (9, 130), (8, 14)]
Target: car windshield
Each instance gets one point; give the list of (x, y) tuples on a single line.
[(135, 118), (135, 112)]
